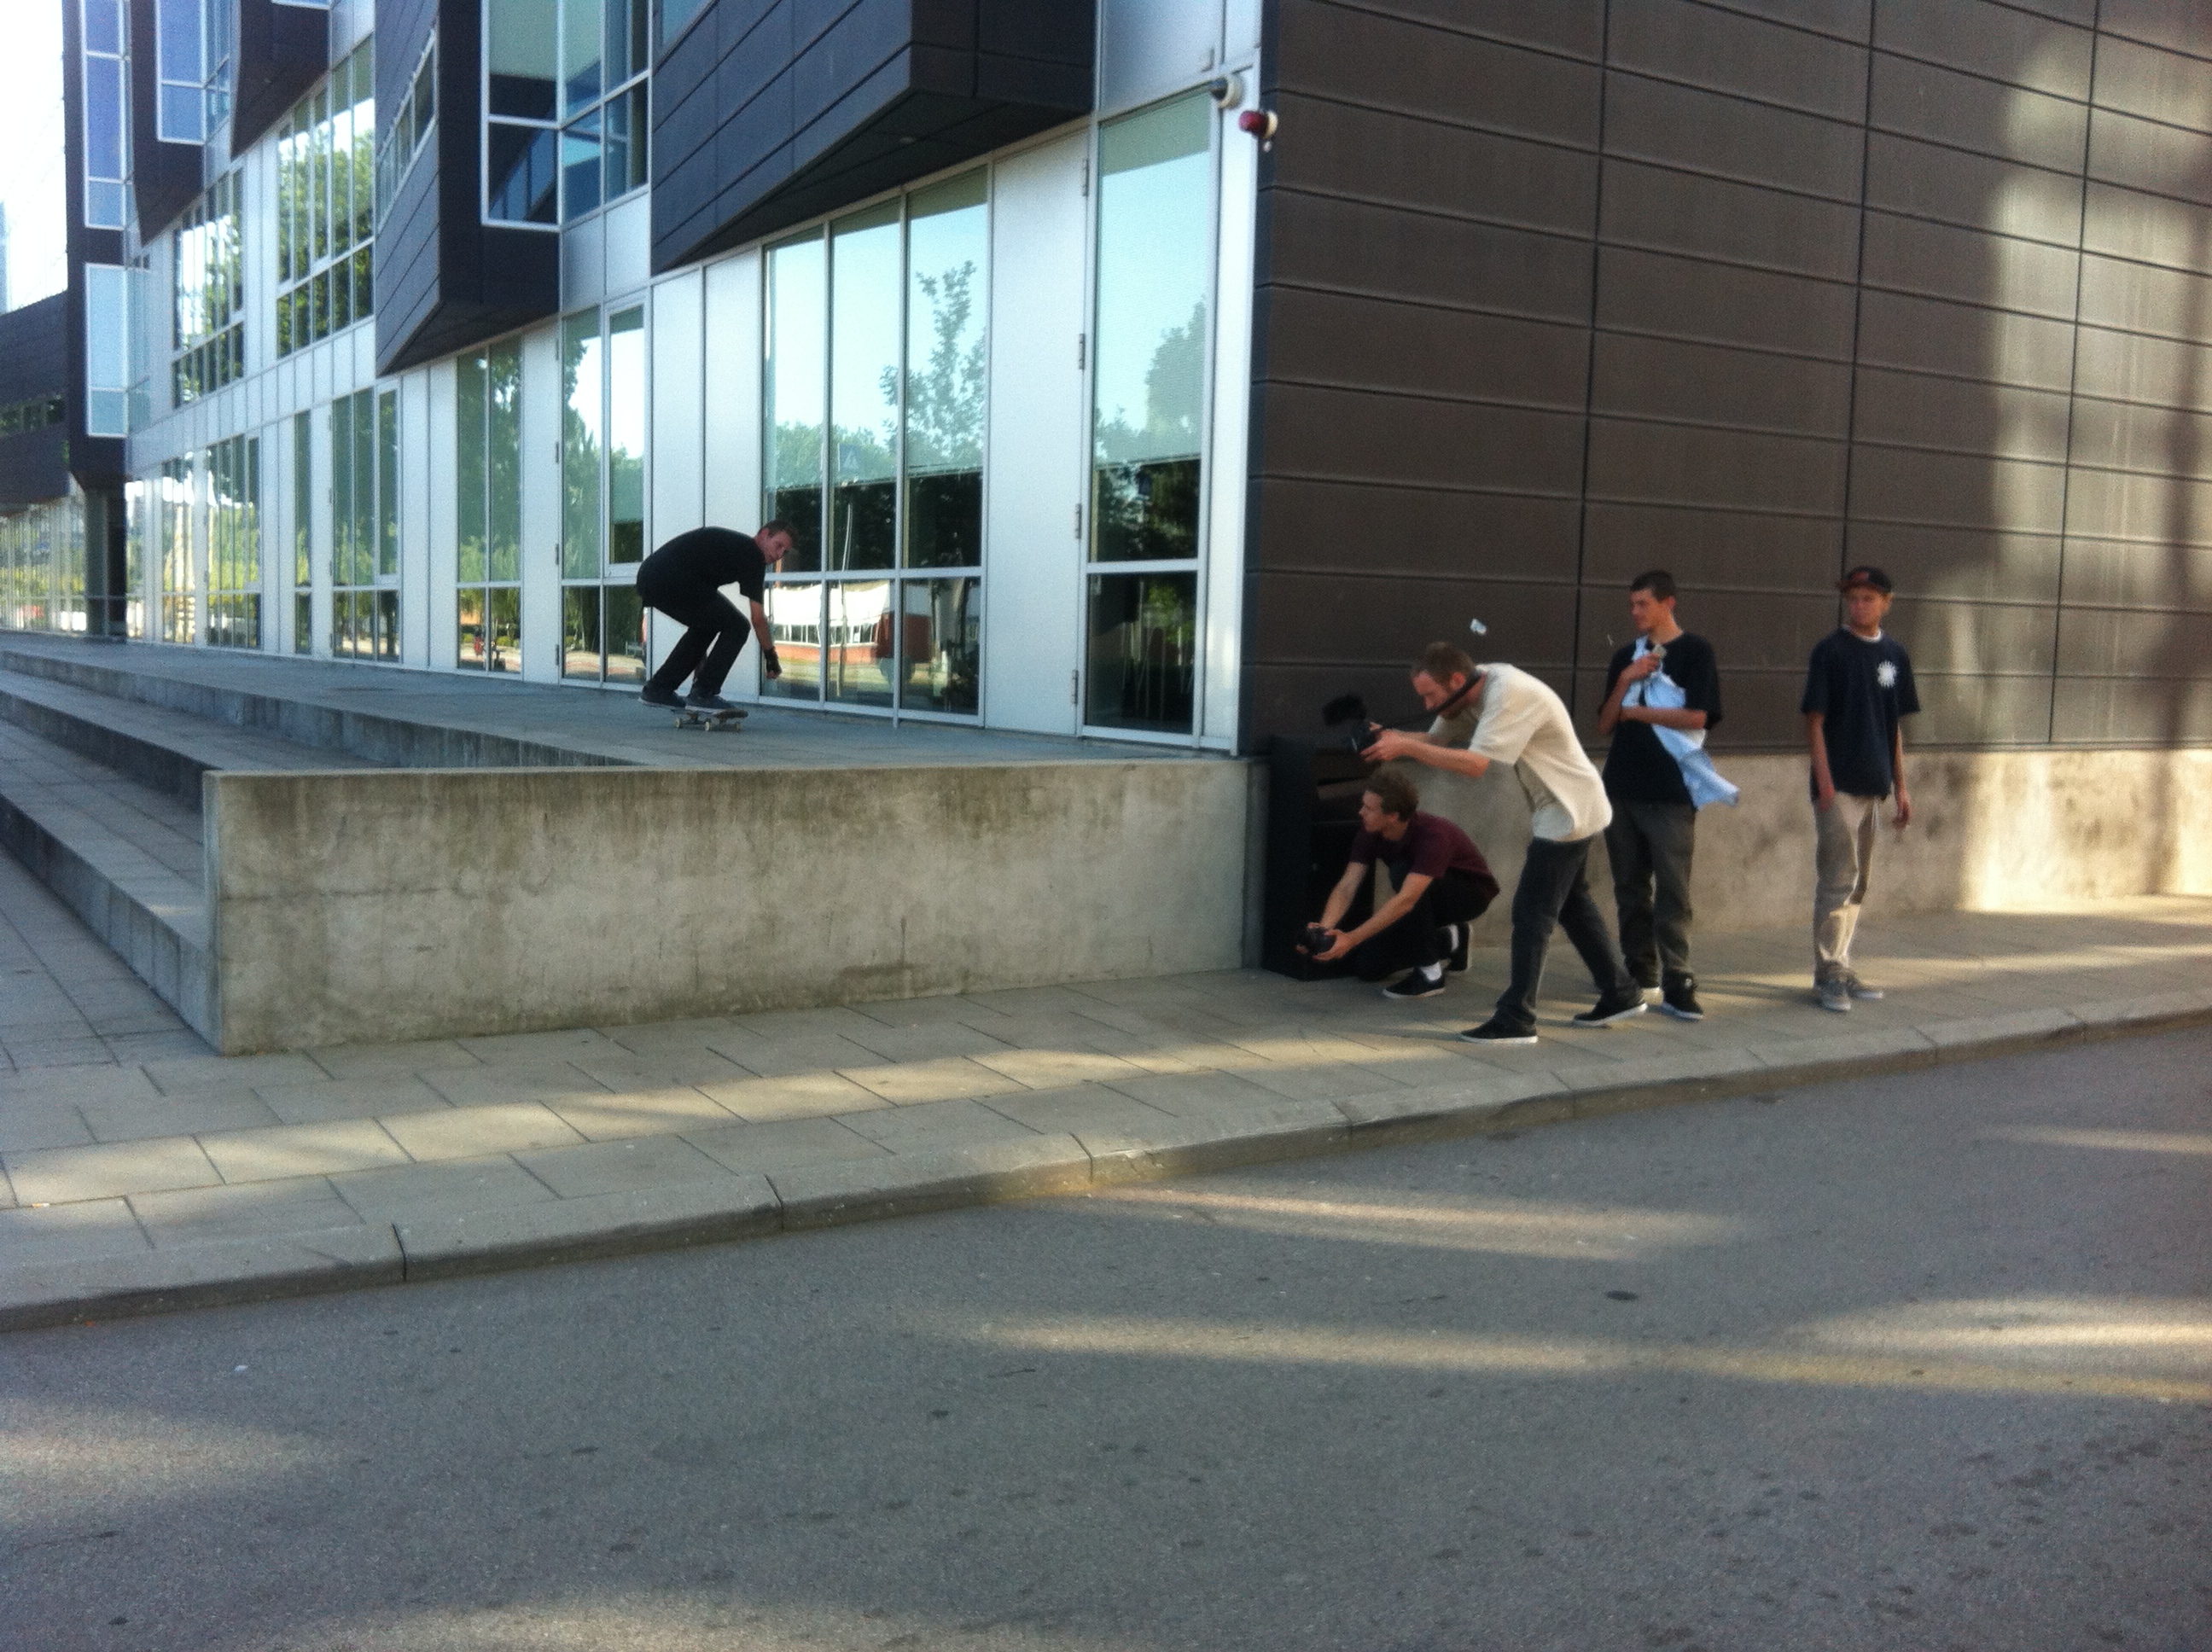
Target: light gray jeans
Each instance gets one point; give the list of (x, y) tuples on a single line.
[(1844, 855)]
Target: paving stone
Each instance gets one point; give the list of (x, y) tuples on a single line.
[(1054, 1069), (676, 1038), (136, 1048), (176, 1115), (63, 1173), (626, 1072), (1661, 1068), (1448, 1108), (530, 1049), (209, 1215), (231, 1072), (935, 1041), (786, 1144), (786, 1058), (413, 1192), (302, 1150), (1081, 1109), (93, 1227), (1060, 1030), (858, 1190), (639, 1113), (1838, 1048), (1319, 1082), (390, 1060), (1195, 1095), (470, 1132), (926, 1011), (351, 1098), (1992, 1028), (26, 1127), (926, 1127), (1287, 1129), (610, 1167), (801, 1026), (574, 1229), (804, 1096), (483, 1086), (197, 1275), (81, 1051), (931, 1081)]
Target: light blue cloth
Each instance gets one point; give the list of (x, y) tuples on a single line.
[(1686, 746)]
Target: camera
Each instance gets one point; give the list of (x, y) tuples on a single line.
[(1318, 941), (1353, 709)]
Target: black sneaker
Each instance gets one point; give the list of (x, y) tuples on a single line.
[(1613, 1006), (1416, 983), (707, 702), (1457, 964), (1680, 1000), (667, 697), (1494, 1031)]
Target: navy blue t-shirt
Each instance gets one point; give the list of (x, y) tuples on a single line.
[(1860, 689)]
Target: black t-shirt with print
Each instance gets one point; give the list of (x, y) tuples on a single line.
[(1862, 689), (1638, 767)]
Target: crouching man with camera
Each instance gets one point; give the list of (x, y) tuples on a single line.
[(1444, 885), (1523, 724)]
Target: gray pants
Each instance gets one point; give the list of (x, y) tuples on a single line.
[(1650, 845), (1844, 855)]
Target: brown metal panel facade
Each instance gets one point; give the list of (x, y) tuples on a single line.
[(1751, 290)]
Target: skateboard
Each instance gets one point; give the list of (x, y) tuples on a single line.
[(688, 718)]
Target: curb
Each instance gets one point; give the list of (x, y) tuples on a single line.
[(869, 1189)]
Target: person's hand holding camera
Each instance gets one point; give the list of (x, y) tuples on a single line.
[(1324, 944), (1393, 743)]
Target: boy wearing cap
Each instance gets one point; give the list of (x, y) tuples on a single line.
[(1858, 689)]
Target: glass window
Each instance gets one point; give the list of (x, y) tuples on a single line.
[(233, 476), (583, 25), (874, 385), (365, 525), (325, 209), (411, 130), (947, 250), (210, 294), (524, 184), (173, 537), (106, 130), (181, 35), (794, 620), (579, 167), (792, 382), (303, 518), (488, 473), (1148, 374), (864, 388), (626, 436), (106, 350), (582, 426)]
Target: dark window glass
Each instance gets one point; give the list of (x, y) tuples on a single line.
[(520, 164), (1142, 653)]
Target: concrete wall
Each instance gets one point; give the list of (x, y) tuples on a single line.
[(1990, 830), (354, 907)]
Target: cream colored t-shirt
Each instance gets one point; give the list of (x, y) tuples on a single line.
[(1524, 724)]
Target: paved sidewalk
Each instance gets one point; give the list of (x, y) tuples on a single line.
[(143, 1171)]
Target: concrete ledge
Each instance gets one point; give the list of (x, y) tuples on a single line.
[(865, 1189), (605, 1224), (198, 1276)]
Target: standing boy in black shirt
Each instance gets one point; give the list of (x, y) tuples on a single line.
[(1857, 692), (684, 579), (1653, 835)]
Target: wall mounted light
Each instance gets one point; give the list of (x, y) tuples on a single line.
[(1260, 123)]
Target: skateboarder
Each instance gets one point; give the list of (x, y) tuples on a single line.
[(684, 579)]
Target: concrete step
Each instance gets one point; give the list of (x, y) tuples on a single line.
[(302, 702), (125, 858), (165, 750)]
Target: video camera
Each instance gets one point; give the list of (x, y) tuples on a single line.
[(1363, 730)]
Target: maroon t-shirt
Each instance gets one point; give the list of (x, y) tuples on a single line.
[(1431, 846)]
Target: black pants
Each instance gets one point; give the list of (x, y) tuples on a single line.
[(1650, 845), (1554, 890), (1419, 937), (716, 635)]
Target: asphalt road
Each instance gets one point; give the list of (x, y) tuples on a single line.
[(1917, 1363)]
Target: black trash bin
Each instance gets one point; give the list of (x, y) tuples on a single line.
[(1313, 813)]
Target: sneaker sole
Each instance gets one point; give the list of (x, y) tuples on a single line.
[(1518, 1038), (1875, 997), (1426, 992), (1608, 1020), (1844, 1008), (1681, 1014)]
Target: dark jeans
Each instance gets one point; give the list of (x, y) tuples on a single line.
[(717, 635), (1419, 937), (1650, 845), (1554, 889)]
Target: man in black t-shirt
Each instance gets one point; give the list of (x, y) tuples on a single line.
[(1653, 835), (1442, 885), (684, 579), (1858, 689)]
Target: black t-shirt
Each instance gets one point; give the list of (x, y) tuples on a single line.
[(1432, 846), (712, 557), (1638, 768), (1860, 689)]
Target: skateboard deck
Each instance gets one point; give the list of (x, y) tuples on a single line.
[(687, 718)]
